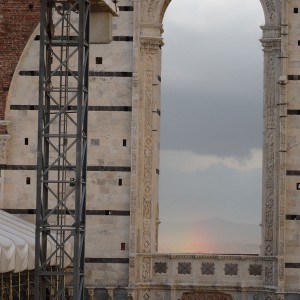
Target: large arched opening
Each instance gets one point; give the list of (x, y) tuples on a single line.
[(211, 132)]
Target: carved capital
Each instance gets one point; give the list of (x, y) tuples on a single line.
[(151, 44), (271, 44)]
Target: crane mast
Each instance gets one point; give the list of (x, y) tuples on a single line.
[(62, 149)]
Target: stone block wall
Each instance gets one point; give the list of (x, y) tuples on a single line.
[(18, 19), (109, 140)]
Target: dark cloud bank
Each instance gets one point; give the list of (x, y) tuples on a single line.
[(212, 92)]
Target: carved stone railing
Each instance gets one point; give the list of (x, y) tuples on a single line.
[(239, 271)]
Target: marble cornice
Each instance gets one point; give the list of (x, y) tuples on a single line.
[(208, 256)]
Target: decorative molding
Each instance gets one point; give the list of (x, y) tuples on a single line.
[(282, 111), (146, 295), (271, 44), (271, 9), (269, 273), (148, 154), (146, 269), (206, 256), (110, 292), (3, 147), (91, 293), (271, 146), (151, 44)]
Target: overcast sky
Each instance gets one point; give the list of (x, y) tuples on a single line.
[(211, 139)]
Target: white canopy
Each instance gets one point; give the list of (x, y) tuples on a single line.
[(17, 245)]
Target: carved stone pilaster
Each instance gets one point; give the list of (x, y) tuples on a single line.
[(146, 269), (269, 273), (147, 192), (3, 148), (282, 112), (91, 293), (271, 155), (110, 292), (131, 295), (146, 295)]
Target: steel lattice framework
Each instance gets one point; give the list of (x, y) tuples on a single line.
[(62, 149)]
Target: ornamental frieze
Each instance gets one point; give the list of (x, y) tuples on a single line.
[(206, 296)]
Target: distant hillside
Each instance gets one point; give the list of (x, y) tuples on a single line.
[(211, 235)]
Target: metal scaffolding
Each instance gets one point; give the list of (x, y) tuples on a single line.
[(62, 149)]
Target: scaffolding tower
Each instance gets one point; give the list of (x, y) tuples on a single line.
[(62, 149)]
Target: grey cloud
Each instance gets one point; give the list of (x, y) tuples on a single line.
[(212, 92), (217, 192)]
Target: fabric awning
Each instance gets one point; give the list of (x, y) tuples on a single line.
[(17, 245)]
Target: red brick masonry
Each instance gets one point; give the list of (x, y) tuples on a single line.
[(18, 19)]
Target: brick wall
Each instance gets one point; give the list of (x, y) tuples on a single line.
[(18, 19)]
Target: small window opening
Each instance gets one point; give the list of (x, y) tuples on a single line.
[(106, 212), (120, 182), (296, 10), (27, 180), (124, 142), (26, 141), (98, 60), (298, 42), (122, 246), (95, 142), (30, 6)]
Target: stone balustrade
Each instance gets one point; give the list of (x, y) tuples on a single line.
[(244, 271)]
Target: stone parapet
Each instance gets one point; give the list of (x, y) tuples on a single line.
[(210, 270)]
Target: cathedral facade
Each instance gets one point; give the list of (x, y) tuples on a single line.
[(122, 260)]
